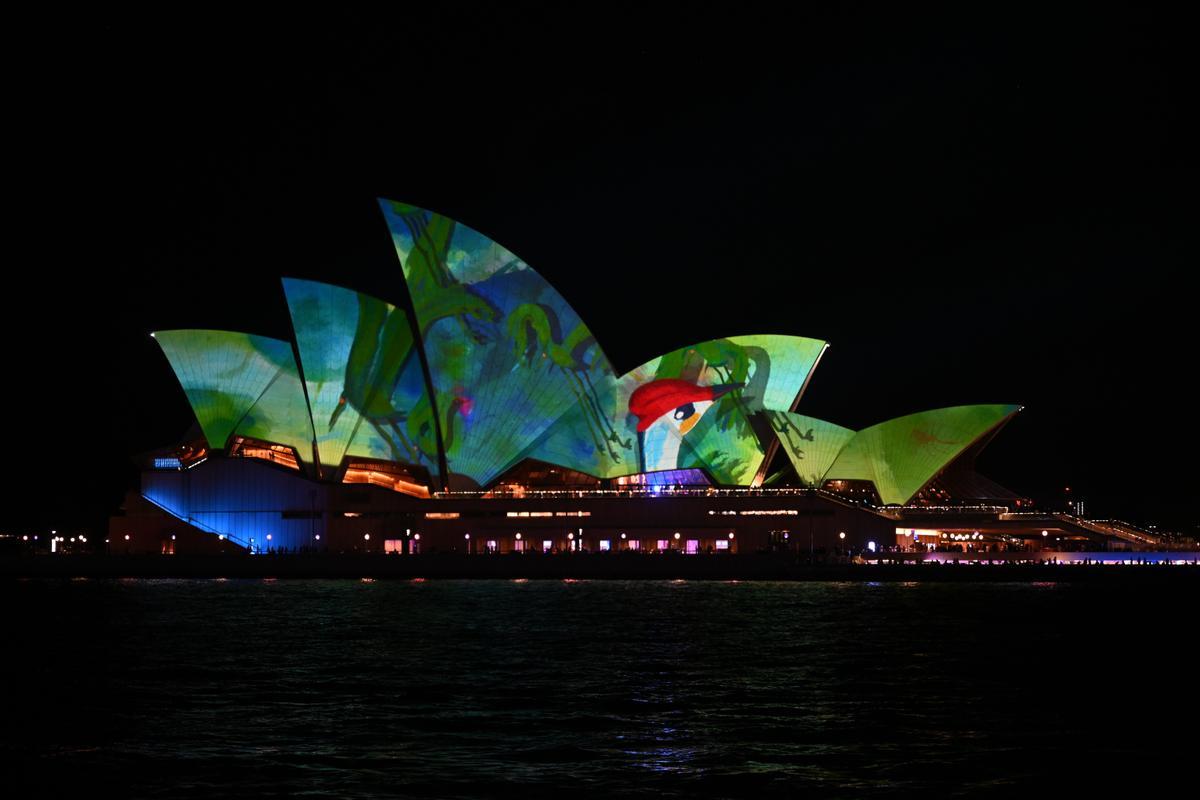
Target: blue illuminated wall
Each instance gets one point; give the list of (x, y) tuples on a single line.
[(243, 499)]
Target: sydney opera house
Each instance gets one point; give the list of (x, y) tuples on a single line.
[(474, 412)]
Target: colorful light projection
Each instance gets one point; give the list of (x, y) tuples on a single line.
[(811, 444), (363, 376), (507, 355), (694, 408), (730, 444), (901, 455), (240, 383), (281, 414), (515, 373)]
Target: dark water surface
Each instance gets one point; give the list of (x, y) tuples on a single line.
[(603, 688)]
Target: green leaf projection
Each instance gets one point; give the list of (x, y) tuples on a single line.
[(281, 413), (902, 455), (507, 355), (514, 373), (239, 381), (695, 407), (811, 444), (363, 376), (774, 370)]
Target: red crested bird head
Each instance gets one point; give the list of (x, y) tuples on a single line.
[(651, 400)]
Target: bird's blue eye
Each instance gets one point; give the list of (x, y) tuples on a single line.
[(683, 412)]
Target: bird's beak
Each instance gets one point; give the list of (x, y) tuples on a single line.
[(720, 389)]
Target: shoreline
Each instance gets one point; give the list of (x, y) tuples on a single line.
[(566, 567)]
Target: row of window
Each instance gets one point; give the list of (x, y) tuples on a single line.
[(691, 546)]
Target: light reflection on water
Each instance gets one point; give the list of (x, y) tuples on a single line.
[(587, 688)]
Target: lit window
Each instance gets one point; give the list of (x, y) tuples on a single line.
[(635, 544), (722, 544), (693, 546), (605, 545), (547, 545), (491, 545), (664, 544)]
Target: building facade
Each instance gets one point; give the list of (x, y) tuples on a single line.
[(476, 412)]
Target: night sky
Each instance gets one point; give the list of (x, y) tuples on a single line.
[(972, 209)]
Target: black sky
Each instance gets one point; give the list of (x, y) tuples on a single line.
[(984, 208)]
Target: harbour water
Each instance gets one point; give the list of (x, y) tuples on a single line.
[(352, 688)]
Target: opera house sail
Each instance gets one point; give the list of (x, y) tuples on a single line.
[(475, 371)]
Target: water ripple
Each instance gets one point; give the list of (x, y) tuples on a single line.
[(169, 688)]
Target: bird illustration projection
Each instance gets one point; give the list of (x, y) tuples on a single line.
[(666, 410)]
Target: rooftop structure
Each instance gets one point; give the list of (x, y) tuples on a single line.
[(477, 381), (487, 366)]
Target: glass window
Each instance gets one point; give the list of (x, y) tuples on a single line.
[(635, 544), (605, 545), (664, 544), (547, 545), (722, 544), (693, 546)]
